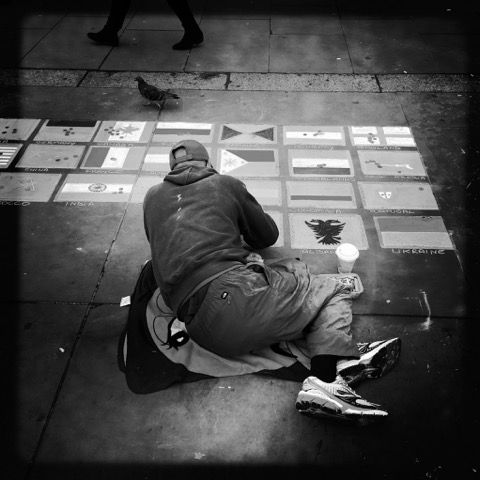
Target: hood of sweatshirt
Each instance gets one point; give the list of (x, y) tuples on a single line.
[(189, 172)]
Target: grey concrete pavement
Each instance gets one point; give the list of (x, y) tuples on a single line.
[(65, 268)]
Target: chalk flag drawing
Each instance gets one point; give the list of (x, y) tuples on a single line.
[(318, 230), (248, 134), (67, 131), (106, 158), (17, 128), (96, 188), (317, 194), (391, 163), (28, 187), (248, 162), (124, 132), (322, 163), (381, 136), (413, 232), (173, 132), (327, 232), (157, 159), (51, 156), (397, 195), (267, 192), (313, 135), (8, 151)]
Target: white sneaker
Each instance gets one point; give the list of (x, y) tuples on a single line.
[(336, 400), (377, 359)]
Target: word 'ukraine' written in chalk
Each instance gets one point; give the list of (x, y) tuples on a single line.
[(418, 251), (79, 204), (393, 211)]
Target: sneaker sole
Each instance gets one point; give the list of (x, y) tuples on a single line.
[(315, 411), (326, 407), (306, 408), (380, 364)]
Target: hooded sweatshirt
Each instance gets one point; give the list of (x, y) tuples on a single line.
[(194, 221)]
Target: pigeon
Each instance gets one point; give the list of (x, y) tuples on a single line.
[(154, 94)]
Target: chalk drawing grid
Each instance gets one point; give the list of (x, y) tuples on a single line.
[(322, 184)]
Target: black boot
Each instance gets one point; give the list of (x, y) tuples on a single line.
[(191, 38), (104, 37)]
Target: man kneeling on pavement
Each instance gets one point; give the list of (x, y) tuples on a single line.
[(202, 227)]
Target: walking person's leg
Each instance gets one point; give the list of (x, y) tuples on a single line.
[(193, 35), (109, 33)]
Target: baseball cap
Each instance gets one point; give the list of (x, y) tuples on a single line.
[(187, 150)]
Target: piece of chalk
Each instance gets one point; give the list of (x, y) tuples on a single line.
[(125, 301)]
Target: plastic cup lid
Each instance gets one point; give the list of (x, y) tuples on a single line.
[(347, 251)]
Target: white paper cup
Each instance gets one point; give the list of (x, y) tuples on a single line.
[(346, 256)]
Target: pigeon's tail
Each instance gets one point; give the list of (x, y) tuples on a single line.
[(172, 95)]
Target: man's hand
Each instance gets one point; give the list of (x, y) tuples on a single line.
[(254, 257)]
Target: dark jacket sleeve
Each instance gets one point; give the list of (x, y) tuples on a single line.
[(257, 227), (146, 202)]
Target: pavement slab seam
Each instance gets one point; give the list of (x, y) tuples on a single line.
[(80, 81), (40, 39), (228, 81), (346, 42), (58, 390), (295, 82), (89, 307)]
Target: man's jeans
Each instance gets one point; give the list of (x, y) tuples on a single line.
[(258, 305)]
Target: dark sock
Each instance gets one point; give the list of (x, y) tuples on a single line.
[(324, 367)]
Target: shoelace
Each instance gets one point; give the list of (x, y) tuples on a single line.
[(350, 396), (340, 389), (362, 347), (344, 389), (340, 386)]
